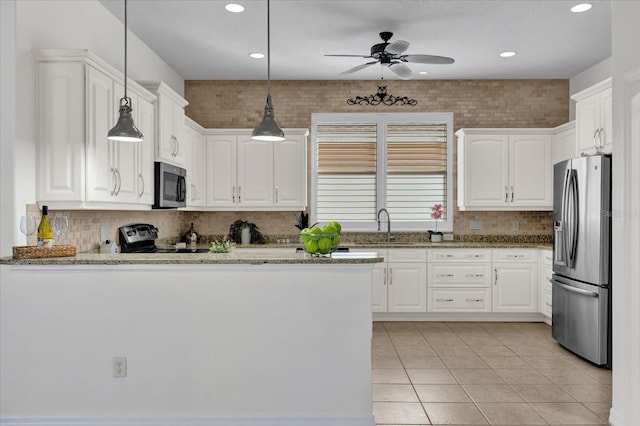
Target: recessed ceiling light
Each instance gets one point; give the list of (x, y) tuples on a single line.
[(256, 55), (581, 7), (508, 54), (235, 8), (422, 73)]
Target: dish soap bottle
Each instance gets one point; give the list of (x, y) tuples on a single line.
[(45, 234), (193, 236)]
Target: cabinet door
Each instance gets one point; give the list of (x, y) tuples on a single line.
[(102, 179), (196, 173), (486, 171), (606, 119), (145, 120), (181, 144), (221, 175), (587, 123), (166, 145), (563, 146), (515, 287), (255, 172), (125, 153), (289, 173), (407, 289), (61, 131), (379, 288), (530, 172)]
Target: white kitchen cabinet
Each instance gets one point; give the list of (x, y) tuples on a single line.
[(515, 285), (197, 166), (594, 118), (545, 270), (79, 168), (459, 280), (246, 174), (563, 145), (504, 169), (379, 296), (171, 145)]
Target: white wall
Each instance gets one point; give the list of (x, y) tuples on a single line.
[(61, 24), (626, 213)]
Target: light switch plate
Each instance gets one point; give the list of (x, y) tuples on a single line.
[(475, 224)]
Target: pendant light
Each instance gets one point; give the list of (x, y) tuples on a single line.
[(268, 129), (125, 130)]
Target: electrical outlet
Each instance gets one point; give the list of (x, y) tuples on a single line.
[(515, 225), (447, 237), (475, 224), (119, 366)]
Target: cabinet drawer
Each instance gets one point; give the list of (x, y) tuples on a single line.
[(548, 303), (545, 278), (546, 257), (515, 255), (407, 255), (459, 300), (459, 255), (459, 275), (379, 251)]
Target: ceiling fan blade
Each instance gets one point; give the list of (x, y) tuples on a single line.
[(401, 70), (358, 68), (397, 47), (353, 56), (427, 59)]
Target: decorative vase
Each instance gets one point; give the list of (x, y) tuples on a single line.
[(245, 235)]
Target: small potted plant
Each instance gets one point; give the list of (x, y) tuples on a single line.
[(436, 214)]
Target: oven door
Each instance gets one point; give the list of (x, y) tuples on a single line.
[(580, 319), (170, 186)]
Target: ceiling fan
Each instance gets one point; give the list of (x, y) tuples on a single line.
[(390, 54)]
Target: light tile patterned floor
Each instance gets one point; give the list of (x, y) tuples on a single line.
[(464, 373)]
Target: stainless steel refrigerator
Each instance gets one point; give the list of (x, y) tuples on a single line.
[(582, 257)]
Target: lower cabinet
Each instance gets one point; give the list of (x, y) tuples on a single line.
[(545, 271), (459, 280), (515, 280)]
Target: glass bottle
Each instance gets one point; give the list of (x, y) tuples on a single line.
[(45, 233)]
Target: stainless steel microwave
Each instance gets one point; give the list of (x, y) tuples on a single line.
[(170, 189)]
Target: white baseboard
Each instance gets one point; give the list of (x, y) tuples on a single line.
[(185, 420), (615, 419), (459, 316)]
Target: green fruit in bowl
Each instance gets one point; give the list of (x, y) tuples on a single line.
[(337, 226), (335, 240), (303, 237), (330, 229), (324, 245), (311, 246)]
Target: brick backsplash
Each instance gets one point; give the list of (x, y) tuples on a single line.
[(240, 104)]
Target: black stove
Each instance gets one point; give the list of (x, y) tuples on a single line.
[(140, 238)]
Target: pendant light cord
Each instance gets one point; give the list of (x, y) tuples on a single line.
[(125, 52), (268, 50)]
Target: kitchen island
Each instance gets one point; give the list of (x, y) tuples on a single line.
[(265, 338)]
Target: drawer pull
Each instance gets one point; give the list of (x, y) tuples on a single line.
[(445, 256), (444, 300), (475, 300), (475, 275), (444, 275), (548, 304), (475, 256)]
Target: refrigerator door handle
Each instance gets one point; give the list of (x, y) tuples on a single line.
[(563, 227), (573, 202), (576, 290)]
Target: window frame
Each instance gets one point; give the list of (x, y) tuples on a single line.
[(382, 120)]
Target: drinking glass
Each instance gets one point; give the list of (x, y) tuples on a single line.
[(28, 226), (60, 224)]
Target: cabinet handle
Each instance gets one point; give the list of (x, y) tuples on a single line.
[(600, 137), (119, 182), (506, 194), (276, 194), (141, 179), (390, 276), (474, 300), (385, 277), (444, 300), (233, 194), (495, 279), (512, 194), (445, 256), (444, 275), (114, 180), (475, 275), (548, 304), (193, 192), (474, 256), (595, 138), (239, 195), (177, 146), (173, 146)]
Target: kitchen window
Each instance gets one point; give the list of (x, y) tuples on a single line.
[(364, 162)]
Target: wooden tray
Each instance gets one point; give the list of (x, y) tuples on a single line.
[(33, 252)]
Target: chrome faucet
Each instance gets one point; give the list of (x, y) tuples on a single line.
[(389, 236)]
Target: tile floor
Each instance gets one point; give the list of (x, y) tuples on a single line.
[(464, 373)]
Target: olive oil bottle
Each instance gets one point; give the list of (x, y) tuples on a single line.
[(45, 233)]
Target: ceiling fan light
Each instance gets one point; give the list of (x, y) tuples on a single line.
[(268, 129), (125, 130)]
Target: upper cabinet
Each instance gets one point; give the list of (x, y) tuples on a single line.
[(246, 174), (171, 145), (197, 164), (563, 145), (594, 118), (78, 96), (504, 169)]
